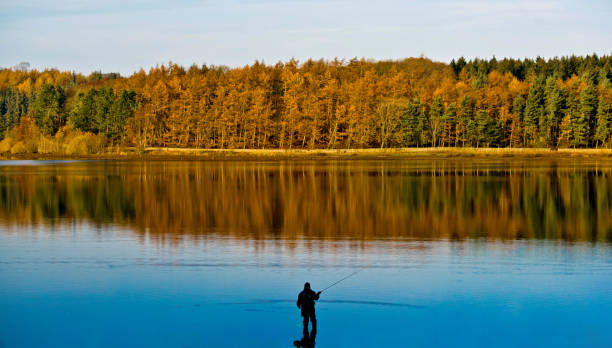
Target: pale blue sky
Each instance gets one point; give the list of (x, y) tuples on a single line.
[(122, 36)]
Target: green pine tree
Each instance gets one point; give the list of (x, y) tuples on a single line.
[(587, 111), (121, 110), (102, 120), (435, 120), (463, 118), (423, 130), (480, 126), (84, 114), (49, 109), (604, 120), (410, 123), (449, 120), (555, 105), (534, 110), (493, 133)]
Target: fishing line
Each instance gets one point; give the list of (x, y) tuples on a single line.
[(345, 278)]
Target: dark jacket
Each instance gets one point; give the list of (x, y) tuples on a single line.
[(306, 300)]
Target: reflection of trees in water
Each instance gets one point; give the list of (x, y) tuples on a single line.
[(358, 200), (28, 199)]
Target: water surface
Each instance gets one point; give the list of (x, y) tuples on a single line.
[(212, 254)]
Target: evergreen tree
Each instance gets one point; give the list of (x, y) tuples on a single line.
[(518, 107), (493, 133), (121, 110), (604, 120), (565, 131), (586, 113), (448, 125), (435, 120), (481, 121), (534, 110), (463, 119), (49, 109), (472, 133), (105, 98), (555, 104), (84, 114), (410, 123), (605, 74), (516, 124), (458, 65), (423, 130), (584, 127), (3, 107), (480, 80), (13, 106)]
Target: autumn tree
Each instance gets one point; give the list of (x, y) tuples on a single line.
[(389, 115), (326, 104)]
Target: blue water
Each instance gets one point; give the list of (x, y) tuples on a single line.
[(81, 285), (213, 254)]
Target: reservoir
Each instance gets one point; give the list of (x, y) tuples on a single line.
[(454, 252)]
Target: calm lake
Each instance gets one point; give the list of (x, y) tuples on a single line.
[(450, 253)]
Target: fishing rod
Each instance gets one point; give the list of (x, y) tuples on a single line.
[(343, 279)]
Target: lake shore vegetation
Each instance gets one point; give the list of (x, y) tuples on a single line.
[(559, 103)]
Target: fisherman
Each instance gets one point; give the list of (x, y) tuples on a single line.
[(306, 303)]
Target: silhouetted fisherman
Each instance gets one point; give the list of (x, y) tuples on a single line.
[(306, 302)]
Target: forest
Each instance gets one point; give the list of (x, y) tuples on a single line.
[(561, 102)]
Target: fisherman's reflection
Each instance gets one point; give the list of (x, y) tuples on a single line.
[(308, 341)]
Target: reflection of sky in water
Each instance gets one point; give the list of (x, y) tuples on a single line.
[(37, 162), (85, 286)]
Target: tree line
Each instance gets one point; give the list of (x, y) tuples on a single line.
[(415, 102)]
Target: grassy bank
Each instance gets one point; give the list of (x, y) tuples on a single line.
[(298, 154)]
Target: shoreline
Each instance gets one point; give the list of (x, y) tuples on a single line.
[(158, 153)]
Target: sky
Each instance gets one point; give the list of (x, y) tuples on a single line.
[(125, 35)]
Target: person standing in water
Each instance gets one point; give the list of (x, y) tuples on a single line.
[(306, 303)]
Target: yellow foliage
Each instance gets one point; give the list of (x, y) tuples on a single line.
[(22, 139), (49, 145), (72, 141), (516, 87), (27, 139), (19, 148), (25, 86), (5, 145), (26, 130), (85, 144)]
